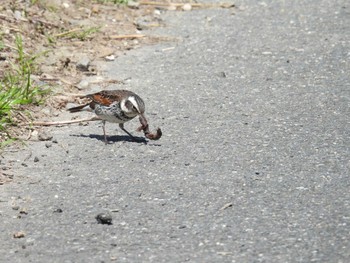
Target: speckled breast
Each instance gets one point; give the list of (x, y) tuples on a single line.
[(112, 113)]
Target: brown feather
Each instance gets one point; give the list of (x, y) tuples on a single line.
[(107, 97)]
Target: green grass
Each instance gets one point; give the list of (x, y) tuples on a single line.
[(85, 33), (17, 89), (77, 33)]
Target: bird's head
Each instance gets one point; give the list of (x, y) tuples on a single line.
[(133, 106)]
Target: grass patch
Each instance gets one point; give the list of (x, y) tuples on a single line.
[(17, 90), (77, 33)]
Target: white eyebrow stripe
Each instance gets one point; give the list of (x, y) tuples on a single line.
[(133, 101), (123, 106)]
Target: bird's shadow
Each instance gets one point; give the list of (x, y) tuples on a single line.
[(113, 138)]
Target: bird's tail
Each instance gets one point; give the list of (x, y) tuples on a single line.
[(80, 108)]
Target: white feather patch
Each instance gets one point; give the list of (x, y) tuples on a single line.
[(133, 101), (123, 106)]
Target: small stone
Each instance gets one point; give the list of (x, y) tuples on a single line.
[(104, 218), (23, 211), (95, 9), (48, 144), (65, 5), (145, 22), (105, 51), (19, 234), (58, 210), (34, 136), (222, 74), (18, 15), (82, 84), (36, 159), (83, 64), (110, 58), (157, 12), (133, 4), (187, 7), (54, 141), (44, 136)]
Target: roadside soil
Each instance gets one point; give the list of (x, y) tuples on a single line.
[(68, 38)]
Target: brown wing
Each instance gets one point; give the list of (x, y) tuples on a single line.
[(107, 97)]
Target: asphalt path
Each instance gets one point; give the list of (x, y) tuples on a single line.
[(253, 165)]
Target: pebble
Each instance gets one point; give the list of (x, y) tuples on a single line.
[(34, 136), (222, 74), (36, 159), (82, 84), (104, 218), (83, 64), (143, 23), (187, 7), (19, 234), (105, 51), (44, 136), (48, 144), (17, 14), (133, 4), (95, 9), (110, 58)]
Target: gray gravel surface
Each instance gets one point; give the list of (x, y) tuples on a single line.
[(253, 165)]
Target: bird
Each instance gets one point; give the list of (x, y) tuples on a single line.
[(116, 106)]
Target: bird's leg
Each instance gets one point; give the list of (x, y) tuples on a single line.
[(104, 131), (121, 126)]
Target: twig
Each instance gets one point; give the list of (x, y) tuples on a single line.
[(8, 18), (200, 5), (52, 78), (226, 206), (28, 156), (67, 32), (67, 94), (66, 82), (43, 22), (126, 36), (12, 19), (14, 29), (22, 116), (54, 123)]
